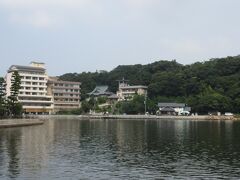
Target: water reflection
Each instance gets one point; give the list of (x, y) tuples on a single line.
[(108, 149)]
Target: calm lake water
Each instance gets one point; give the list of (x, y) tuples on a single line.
[(121, 149)]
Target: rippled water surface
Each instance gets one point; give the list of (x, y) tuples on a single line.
[(121, 149)]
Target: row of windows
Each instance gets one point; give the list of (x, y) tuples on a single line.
[(33, 88), (68, 90), (66, 85), (32, 104), (66, 95), (35, 98), (33, 83), (32, 93), (32, 73), (66, 100), (32, 78), (66, 105)]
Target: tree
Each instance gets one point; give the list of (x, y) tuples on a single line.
[(14, 107), (2, 97), (173, 82)]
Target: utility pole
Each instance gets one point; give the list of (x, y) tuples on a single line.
[(145, 102)]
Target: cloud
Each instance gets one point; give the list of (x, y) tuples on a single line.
[(36, 19), (47, 13)]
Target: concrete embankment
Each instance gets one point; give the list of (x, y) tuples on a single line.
[(133, 117), (153, 117), (19, 122)]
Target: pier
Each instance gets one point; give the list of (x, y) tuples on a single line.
[(19, 122)]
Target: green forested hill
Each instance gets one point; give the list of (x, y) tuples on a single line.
[(206, 86)]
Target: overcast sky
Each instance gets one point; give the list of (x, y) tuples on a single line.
[(90, 35)]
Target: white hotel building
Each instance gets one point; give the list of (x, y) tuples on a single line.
[(33, 93)]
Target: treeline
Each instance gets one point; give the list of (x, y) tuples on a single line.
[(205, 86), (9, 105)]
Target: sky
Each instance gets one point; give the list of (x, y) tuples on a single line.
[(88, 35)]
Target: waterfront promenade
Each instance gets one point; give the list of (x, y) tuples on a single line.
[(19, 122)]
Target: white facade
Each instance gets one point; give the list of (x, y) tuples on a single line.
[(33, 93), (126, 92)]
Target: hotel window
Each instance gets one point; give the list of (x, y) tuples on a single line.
[(41, 78), (34, 78), (34, 83), (28, 77), (34, 88), (34, 93)]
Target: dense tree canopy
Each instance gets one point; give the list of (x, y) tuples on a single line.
[(206, 86)]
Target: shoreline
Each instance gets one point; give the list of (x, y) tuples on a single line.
[(137, 117), (8, 123), (154, 117)]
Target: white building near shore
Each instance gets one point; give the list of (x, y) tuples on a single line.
[(33, 93), (127, 92), (40, 94)]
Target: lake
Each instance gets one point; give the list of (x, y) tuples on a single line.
[(121, 149)]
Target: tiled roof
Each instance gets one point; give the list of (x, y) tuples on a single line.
[(100, 90), (174, 105), (167, 109)]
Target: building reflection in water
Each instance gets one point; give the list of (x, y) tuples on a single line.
[(10, 142)]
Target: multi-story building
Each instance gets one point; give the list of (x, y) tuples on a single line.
[(66, 94), (33, 93), (126, 92)]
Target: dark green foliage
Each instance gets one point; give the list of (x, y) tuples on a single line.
[(206, 86), (101, 100), (2, 97), (14, 107), (136, 106)]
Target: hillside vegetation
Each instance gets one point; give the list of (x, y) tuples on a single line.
[(205, 86)]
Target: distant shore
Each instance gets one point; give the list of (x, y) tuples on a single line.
[(154, 117), (136, 117), (8, 123)]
